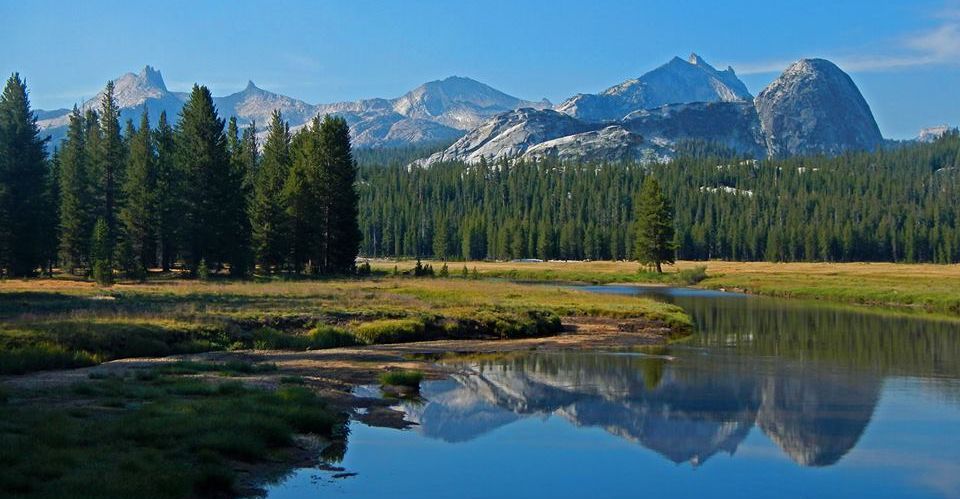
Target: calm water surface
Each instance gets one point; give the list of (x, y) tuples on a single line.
[(770, 398)]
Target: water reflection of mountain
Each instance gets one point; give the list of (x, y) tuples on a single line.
[(694, 410)]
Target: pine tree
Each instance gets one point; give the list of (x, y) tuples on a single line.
[(139, 213), (100, 253), (301, 196), (441, 238), (268, 215), (111, 158), (238, 241), (654, 219), (203, 161), (51, 213), (24, 204), (76, 221), (342, 234), (169, 193)]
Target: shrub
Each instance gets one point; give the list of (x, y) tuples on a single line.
[(402, 377), (391, 331), (325, 336), (692, 276), (444, 271)]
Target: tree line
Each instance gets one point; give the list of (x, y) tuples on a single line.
[(198, 194), (894, 205)]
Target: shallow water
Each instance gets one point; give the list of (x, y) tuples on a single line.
[(770, 398)]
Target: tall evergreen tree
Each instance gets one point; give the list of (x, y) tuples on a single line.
[(76, 204), (139, 213), (342, 236), (169, 193), (24, 203), (110, 162), (205, 166), (238, 242), (301, 196), (268, 214), (655, 244)]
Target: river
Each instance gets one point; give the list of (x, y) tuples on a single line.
[(770, 398)]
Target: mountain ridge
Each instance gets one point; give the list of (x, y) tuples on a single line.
[(438, 110)]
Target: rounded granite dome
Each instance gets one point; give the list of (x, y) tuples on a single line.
[(816, 108)]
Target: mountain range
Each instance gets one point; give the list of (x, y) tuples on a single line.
[(812, 108), (437, 111)]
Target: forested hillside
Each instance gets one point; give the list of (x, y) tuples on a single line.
[(893, 205)]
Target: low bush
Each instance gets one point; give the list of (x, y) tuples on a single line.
[(391, 331)]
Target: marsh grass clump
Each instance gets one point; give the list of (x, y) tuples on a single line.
[(268, 338), (43, 356), (166, 437), (325, 336), (391, 331), (403, 377)]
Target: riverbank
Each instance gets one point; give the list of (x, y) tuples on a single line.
[(920, 288), (253, 414), (57, 324)]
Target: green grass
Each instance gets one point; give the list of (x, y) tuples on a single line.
[(160, 437), (406, 378)]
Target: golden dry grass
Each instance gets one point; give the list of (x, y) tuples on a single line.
[(926, 287)]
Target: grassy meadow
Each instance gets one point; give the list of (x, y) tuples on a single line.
[(59, 323), (925, 288)]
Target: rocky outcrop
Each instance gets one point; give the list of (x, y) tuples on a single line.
[(609, 144), (510, 135), (734, 125), (815, 108), (678, 81)]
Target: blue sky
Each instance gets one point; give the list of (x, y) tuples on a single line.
[(904, 54)]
